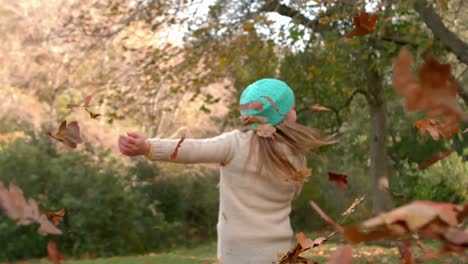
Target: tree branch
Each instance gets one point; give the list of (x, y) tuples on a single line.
[(433, 21), (284, 10)]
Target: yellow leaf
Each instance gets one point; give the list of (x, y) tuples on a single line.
[(324, 20)]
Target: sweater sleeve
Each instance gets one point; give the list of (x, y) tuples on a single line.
[(218, 149)]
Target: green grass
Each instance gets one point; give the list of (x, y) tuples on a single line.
[(206, 254)]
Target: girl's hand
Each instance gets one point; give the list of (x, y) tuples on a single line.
[(133, 145)]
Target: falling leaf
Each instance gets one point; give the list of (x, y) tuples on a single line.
[(327, 218), (273, 104), (302, 175), (406, 251), (353, 206), (395, 194), (55, 216), (427, 253), (265, 130), (319, 108), (363, 25), (87, 101), (54, 254), (343, 255), (92, 115), (426, 164), (432, 219), (340, 179), (253, 105), (86, 104), (324, 20), (68, 134), (246, 120), (432, 92), (15, 207), (445, 127), (174, 153)]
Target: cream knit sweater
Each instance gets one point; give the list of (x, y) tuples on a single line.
[(253, 220)]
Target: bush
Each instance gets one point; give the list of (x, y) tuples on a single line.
[(105, 215)]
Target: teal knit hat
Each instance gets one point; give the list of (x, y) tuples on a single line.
[(275, 96)]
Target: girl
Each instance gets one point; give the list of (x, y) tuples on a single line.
[(262, 168)]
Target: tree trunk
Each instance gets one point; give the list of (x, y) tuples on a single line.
[(381, 200)]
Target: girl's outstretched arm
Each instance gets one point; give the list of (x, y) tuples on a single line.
[(218, 149)]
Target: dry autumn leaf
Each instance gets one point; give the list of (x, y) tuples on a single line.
[(363, 25), (394, 194), (304, 243), (340, 179), (55, 216), (273, 104), (302, 175), (176, 150), (86, 103), (253, 105), (405, 248), (319, 108), (432, 92), (445, 127), (327, 218), (431, 219), (426, 164), (24, 212), (246, 120), (353, 206), (91, 114), (68, 134), (265, 130), (54, 255)]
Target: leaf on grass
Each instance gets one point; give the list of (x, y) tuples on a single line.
[(343, 255), (68, 134), (426, 164), (54, 255), (432, 92), (353, 206), (176, 150), (327, 218), (363, 25), (319, 108), (253, 105), (340, 179), (55, 216), (15, 207), (302, 175), (304, 243), (265, 130), (406, 251)]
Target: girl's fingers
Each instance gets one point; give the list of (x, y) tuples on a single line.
[(132, 141), (133, 135), (126, 151)]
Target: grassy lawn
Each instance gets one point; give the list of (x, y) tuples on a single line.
[(205, 254)]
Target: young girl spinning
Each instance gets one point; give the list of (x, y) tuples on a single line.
[(263, 167)]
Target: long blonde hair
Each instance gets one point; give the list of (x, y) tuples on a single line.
[(289, 137)]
